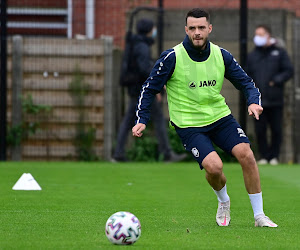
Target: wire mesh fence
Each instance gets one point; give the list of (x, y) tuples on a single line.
[(61, 49)]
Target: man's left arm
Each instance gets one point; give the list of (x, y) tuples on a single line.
[(241, 81)]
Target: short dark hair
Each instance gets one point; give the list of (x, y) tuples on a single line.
[(265, 27), (197, 12)]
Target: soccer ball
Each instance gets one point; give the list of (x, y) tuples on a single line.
[(123, 228)]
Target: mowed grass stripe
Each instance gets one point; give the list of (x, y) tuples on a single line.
[(174, 203)]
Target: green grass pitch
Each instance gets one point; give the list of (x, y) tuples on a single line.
[(174, 203)]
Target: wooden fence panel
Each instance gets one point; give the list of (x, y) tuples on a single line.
[(49, 66)]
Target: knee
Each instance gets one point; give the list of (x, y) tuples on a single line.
[(246, 156), (214, 168)]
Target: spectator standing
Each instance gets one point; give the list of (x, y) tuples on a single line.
[(270, 67), (139, 64)]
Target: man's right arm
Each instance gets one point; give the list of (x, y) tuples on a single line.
[(160, 74)]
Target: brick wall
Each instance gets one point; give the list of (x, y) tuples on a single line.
[(38, 3), (23, 12), (78, 20), (111, 16)]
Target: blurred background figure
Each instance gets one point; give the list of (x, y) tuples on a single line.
[(270, 67), (136, 66)]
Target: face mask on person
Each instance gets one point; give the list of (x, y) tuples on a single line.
[(154, 33), (260, 41)]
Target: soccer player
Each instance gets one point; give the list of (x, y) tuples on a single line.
[(193, 72)]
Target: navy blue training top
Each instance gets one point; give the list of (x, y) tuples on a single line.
[(164, 68)]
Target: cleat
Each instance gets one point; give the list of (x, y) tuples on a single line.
[(274, 161), (264, 221), (262, 162), (223, 214)]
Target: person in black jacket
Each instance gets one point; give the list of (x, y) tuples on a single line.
[(141, 66), (270, 67)]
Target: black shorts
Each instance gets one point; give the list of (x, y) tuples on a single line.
[(225, 133)]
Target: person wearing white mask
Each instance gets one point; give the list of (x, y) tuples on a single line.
[(270, 67)]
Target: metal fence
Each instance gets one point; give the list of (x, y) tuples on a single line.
[(3, 81), (296, 108), (49, 63)]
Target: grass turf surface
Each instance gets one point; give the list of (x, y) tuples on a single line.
[(174, 203)]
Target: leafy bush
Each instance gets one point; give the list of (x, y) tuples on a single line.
[(85, 136), (144, 148), (16, 134)]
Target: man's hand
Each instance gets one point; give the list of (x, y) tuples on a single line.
[(255, 110), (137, 129)]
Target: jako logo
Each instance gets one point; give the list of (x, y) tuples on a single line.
[(192, 85), (208, 83)]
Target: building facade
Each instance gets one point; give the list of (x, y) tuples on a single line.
[(93, 18)]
